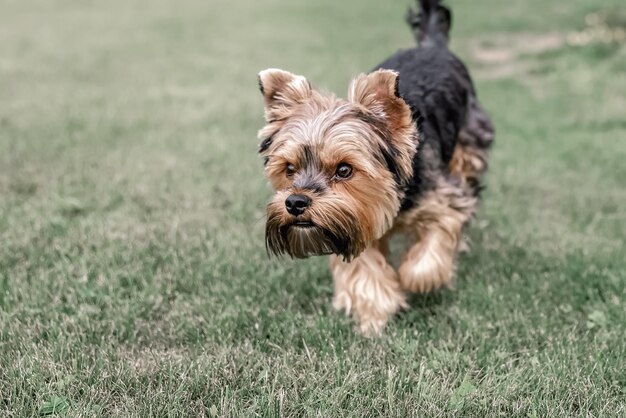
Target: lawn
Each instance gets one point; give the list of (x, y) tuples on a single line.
[(133, 275)]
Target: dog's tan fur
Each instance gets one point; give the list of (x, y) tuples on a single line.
[(468, 163)]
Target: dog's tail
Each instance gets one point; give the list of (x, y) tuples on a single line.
[(430, 22)]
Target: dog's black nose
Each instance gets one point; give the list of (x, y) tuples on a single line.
[(297, 203)]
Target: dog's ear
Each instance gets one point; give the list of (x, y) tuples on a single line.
[(378, 93), (282, 91)]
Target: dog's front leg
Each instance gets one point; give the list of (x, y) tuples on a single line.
[(436, 226), (367, 288)]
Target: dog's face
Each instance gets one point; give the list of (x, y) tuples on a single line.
[(338, 166)]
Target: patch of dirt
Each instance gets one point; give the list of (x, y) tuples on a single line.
[(502, 55), (508, 47)]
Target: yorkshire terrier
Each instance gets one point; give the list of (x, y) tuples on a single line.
[(405, 152)]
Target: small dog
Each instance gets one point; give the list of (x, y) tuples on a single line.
[(404, 153)]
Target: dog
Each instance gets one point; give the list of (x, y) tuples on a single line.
[(405, 152)]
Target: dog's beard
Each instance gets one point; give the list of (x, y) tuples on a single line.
[(307, 241), (335, 233)]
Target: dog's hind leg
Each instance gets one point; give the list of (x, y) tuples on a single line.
[(436, 226), (469, 160), (367, 288)]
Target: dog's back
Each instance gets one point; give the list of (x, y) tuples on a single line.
[(438, 87)]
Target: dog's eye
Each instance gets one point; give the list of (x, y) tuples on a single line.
[(343, 171), (290, 170)]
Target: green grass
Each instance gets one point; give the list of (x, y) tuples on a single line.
[(133, 276)]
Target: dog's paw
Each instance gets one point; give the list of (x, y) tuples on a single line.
[(342, 302), (372, 327), (428, 273), (465, 245)]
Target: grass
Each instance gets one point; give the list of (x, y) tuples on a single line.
[(133, 276)]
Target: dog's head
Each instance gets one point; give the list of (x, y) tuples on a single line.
[(338, 166)]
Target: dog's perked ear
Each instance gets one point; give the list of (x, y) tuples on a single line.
[(377, 93), (282, 91)]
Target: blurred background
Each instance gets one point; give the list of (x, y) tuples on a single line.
[(133, 274)]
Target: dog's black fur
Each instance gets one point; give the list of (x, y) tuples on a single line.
[(438, 88)]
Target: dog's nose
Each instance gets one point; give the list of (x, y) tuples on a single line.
[(297, 203)]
